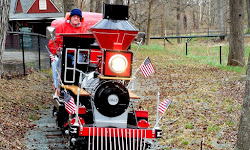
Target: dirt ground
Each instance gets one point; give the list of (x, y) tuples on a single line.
[(206, 102), (21, 99), (205, 108)]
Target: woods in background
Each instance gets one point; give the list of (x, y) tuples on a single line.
[(167, 15)]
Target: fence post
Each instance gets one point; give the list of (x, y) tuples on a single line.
[(39, 53), (220, 55), (186, 48), (23, 56), (164, 42)]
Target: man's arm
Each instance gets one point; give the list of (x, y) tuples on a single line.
[(58, 40)]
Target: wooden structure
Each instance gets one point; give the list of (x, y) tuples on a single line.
[(32, 15)]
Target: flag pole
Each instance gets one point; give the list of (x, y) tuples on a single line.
[(140, 43), (56, 69), (133, 76), (136, 72), (157, 109), (157, 122), (77, 108)]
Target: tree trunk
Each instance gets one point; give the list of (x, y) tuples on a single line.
[(98, 6), (200, 6), (118, 2), (194, 21), (92, 6), (185, 21), (106, 1), (178, 16), (80, 4), (243, 137), (209, 13), (149, 21), (248, 13), (221, 16), (163, 21), (236, 55), (69, 5), (4, 18)]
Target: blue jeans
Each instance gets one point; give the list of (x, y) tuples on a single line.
[(55, 65)]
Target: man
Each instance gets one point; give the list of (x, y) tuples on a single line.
[(73, 25)]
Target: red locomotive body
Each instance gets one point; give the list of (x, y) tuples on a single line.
[(97, 79)]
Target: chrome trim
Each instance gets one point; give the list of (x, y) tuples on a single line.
[(97, 138), (110, 141), (130, 144), (133, 139), (114, 139), (137, 140), (101, 138), (89, 139), (141, 141), (93, 139), (144, 140)]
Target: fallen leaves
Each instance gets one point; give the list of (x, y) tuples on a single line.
[(20, 100), (206, 100)]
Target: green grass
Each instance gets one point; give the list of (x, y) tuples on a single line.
[(33, 117), (229, 123), (189, 126), (200, 51), (185, 142), (212, 128)]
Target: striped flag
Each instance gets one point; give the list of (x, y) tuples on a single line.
[(164, 105), (147, 67), (69, 103), (52, 57)]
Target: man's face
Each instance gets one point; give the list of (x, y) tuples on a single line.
[(75, 19)]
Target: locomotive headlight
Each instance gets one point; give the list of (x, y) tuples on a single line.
[(118, 63)]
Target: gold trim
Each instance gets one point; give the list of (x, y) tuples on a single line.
[(74, 88), (114, 78)]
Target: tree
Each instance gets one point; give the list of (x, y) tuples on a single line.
[(137, 13), (98, 6), (92, 5), (248, 13), (150, 2), (69, 5), (221, 17), (80, 4), (236, 55), (178, 20), (243, 137), (4, 18), (118, 2)]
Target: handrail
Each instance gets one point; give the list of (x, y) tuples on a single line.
[(26, 33)]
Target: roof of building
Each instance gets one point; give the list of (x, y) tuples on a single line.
[(30, 10)]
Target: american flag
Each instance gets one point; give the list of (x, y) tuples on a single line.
[(70, 105), (164, 105), (52, 57), (147, 67)]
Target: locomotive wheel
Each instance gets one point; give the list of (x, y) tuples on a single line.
[(111, 99)]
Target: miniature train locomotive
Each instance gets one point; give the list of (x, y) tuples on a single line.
[(97, 76)]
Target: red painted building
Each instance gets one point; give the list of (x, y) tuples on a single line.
[(35, 15)]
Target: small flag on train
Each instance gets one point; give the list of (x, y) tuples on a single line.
[(147, 67), (164, 105), (69, 102), (52, 57)]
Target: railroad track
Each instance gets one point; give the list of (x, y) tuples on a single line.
[(45, 135)]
